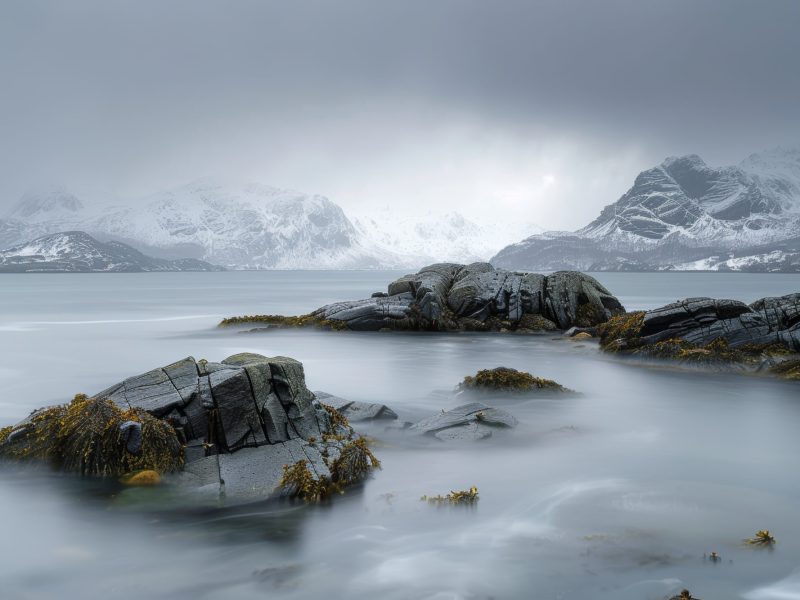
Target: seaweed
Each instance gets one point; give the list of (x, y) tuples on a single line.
[(463, 497), (684, 595), (283, 322), (85, 437), (298, 482), (621, 332), (588, 315), (507, 379), (788, 369), (337, 419), (762, 538), (354, 463)]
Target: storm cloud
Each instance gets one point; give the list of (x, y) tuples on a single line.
[(537, 110)]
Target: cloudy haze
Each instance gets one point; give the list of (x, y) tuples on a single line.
[(536, 110)]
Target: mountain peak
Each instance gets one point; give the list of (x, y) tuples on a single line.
[(46, 204), (687, 161)]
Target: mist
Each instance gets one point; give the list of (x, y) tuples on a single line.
[(542, 111)]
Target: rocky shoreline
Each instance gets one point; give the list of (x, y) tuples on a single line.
[(454, 297), (248, 429), (244, 430), (763, 336)]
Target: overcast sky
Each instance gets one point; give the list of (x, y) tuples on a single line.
[(542, 111)]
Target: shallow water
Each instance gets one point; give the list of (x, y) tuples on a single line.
[(614, 493)]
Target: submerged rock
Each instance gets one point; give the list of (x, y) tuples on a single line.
[(707, 331), (468, 422), (505, 379), (476, 297), (229, 429), (357, 411)]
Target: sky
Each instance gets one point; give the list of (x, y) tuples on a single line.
[(535, 111)]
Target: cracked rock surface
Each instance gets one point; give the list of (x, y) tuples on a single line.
[(239, 422), (774, 320), (451, 297)]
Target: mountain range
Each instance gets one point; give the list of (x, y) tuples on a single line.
[(254, 226), (685, 215), (680, 215), (78, 252)]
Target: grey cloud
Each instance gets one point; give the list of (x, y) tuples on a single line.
[(313, 94)]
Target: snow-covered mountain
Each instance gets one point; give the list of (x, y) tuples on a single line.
[(76, 251), (254, 226), (438, 237), (685, 215)]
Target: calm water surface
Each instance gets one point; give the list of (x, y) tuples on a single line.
[(614, 493)]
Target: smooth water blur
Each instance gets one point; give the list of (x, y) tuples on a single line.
[(614, 493)]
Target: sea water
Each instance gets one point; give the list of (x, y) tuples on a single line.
[(616, 492)]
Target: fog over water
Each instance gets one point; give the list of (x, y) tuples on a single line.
[(613, 493)]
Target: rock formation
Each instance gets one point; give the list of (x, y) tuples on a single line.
[(231, 428), (473, 421), (476, 297), (700, 321), (355, 411), (708, 331)]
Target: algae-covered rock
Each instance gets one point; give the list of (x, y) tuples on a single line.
[(225, 430), (700, 321), (475, 297), (709, 332), (507, 380), (787, 369)]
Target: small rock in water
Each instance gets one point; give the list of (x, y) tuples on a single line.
[(469, 422), (505, 379)]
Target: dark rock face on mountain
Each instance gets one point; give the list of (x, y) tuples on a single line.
[(705, 330), (685, 215), (239, 422), (476, 297), (78, 252)]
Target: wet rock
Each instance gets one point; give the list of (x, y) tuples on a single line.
[(468, 422), (701, 321), (234, 426), (357, 411), (475, 297)]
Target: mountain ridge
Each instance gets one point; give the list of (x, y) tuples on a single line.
[(684, 215), (78, 252)]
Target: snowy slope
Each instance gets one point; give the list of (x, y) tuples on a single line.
[(76, 251), (681, 214), (241, 226), (254, 226), (438, 237)]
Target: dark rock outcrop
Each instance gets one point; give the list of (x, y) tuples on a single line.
[(700, 321), (468, 422), (238, 423), (476, 297), (718, 333)]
